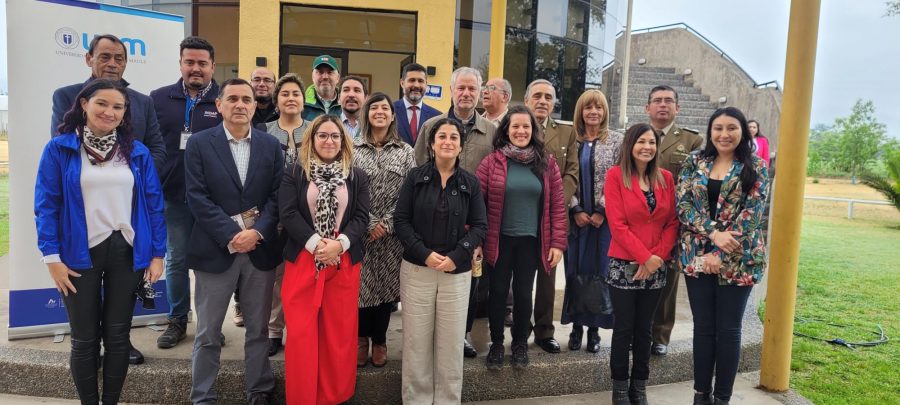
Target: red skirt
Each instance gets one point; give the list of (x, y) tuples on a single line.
[(321, 318)]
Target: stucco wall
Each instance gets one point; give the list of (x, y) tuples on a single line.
[(259, 28), (715, 75)]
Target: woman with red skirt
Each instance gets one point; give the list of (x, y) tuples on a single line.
[(324, 207)]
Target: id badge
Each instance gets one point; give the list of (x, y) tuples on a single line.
[(184, 138)]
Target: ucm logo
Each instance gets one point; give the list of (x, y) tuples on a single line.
[(68, 38)]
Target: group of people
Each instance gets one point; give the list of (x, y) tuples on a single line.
[(320, 208)]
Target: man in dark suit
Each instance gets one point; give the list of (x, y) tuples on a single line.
[(674, 146), (232, 174), (107, 58), (410, 111)]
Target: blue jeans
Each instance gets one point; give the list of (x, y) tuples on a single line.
[(179, 222), (718, 312)]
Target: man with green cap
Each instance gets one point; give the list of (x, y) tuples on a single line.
[(325, 76)]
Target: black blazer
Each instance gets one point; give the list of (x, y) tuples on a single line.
[(214, 193), (403, 128), (415, 210), (298, 223)]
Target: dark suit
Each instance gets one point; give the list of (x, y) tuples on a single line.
[(144, 124), (214, 193), (403, 122)]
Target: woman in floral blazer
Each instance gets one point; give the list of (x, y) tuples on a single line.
[(720, 202)]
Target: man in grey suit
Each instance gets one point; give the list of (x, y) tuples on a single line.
[(232, 174)]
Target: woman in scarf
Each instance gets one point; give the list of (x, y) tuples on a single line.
[(98, 209), (324, 207), (527, 226), (589, 236)]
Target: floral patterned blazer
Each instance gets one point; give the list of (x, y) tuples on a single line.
[(737, 211)]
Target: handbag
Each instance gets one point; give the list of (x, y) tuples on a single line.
[(590, 295)]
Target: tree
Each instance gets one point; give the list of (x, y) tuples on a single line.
[(889, 184), (860, 136), (893, 8)]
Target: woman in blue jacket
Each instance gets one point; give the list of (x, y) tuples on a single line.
[(99, 214)]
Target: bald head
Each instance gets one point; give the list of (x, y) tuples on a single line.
[(263, 82)]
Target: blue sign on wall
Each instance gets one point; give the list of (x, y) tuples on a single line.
[(434, 91)]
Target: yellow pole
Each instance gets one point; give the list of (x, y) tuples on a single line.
[(787, 208), (498, 38)]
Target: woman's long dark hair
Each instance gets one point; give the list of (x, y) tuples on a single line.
[(75, 119), (758, 129), (744, 151), (628, 166), (539, 165), (365, 128), (436, 127)]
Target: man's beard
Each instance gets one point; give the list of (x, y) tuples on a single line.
[(264, 99), (196, 85), (414, 97)]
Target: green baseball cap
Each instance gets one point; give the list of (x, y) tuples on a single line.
[(325, 60)]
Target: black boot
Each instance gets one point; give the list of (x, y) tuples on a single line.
[(702, 398), (637, 393), (620, 393), (717, 401), (593, 340), (575, 338)]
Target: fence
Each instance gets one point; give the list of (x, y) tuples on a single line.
[(850, 202)]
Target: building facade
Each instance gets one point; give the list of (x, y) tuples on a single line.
[(567, 42)]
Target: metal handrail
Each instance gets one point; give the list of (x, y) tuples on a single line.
[(849, 201), (708, 42)]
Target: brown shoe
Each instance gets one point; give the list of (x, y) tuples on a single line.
[(379, 355), (362, 351)]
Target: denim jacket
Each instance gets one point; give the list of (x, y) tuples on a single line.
[(738, 210), (59, 205)]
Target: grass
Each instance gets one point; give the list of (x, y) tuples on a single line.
[(849, 274)]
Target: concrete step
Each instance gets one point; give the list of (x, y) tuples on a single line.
[(653, 69), (642, 91), (649, 81), (38, 367), (655, 75), (683, 112), (642, 101)]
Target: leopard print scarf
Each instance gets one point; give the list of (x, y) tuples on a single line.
[(100, 149), (328, 178)]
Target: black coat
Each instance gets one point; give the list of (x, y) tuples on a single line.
[(298, 223), (215, 193), (415, 210)]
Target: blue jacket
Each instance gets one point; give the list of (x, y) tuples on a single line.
[(169, 103), (144, 126), (59, 206), (313, 110), (403, 128)]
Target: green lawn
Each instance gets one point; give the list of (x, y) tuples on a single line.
[(4, 214), (849, 274)]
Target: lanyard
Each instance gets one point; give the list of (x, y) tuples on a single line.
[(189, 105)]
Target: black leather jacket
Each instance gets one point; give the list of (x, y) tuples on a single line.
[(417, 203)]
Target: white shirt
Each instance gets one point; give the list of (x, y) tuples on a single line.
[(240, 151), (419, 105)]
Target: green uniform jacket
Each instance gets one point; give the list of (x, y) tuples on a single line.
[(559, 139), (675, 148)]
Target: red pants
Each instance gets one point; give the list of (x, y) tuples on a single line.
[(321, 316)]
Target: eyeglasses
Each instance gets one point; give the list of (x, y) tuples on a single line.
[(662, 101), (324, 136), (266, 80), (491, 87)]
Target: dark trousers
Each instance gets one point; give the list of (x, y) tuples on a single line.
[(664, 318), (102, 310), (544, 298), (634, 313), (718, 312), (518, 260), (373, 322)]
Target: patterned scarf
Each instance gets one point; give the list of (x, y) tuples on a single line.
[(100, 149), (522, 155), (327, 177)]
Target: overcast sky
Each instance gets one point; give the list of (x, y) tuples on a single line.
[(858, 51)]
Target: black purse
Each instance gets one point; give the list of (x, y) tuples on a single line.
[(590, 295)]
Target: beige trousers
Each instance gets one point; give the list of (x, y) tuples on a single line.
[(276, 319), (434, 324)]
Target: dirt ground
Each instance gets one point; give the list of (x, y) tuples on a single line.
[(841, 188)]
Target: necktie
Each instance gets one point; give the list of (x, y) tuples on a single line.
[(414, 124)]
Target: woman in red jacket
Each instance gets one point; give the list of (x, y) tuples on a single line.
[(640, 207), (527, 226)]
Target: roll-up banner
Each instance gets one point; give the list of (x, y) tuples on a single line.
[(47, 42)]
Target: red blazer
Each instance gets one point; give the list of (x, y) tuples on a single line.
[(636, 234)]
